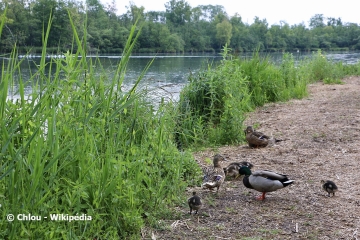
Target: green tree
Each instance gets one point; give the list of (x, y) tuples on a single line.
[(223, 33), (258, 31), (301, 36), (136, 13), (174, 43), (240, 40), (177, 12), (317, 21)]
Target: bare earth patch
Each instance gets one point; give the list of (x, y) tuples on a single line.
[(323, 142)]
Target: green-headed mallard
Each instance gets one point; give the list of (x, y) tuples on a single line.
[(329, 187), (264, 181), (194, 203), (258, 139), (232, 169), (214, 176)]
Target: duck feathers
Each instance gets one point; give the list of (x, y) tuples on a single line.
[(258, 139), (194, 203), (214, 176), (268, 181), (264, 180), (329, 187), (232, 169)]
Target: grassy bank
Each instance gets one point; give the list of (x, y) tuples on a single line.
[(80, 146), (213, 105)]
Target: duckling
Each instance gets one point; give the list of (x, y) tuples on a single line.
[(194, 203), (329, 187), (258, 139), (264, 180), (232, 169), (214, 176)]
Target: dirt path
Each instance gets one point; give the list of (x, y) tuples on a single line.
[(323, 142)]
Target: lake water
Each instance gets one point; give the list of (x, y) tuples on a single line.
[(168, 73)]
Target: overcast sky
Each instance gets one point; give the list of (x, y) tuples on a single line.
[(293, 12)]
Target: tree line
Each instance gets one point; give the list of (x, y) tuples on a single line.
[(179, 28)]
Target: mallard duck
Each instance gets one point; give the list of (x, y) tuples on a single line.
[(258, 139), (264, 181), (329, 187), (194, 203), (232, 169), (214, 176)]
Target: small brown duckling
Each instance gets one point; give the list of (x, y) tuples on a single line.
[(194, 203), (329, 187)]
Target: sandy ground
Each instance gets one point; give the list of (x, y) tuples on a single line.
[(322, 135)]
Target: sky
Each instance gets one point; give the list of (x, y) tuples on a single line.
[(290, 11)]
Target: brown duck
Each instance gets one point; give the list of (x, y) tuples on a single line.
[(214, 176), (258, 139), (232, 170)]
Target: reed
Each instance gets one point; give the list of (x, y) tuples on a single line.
[(80, 145), (211, 106)]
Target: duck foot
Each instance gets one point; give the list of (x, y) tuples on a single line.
[(262, 197)]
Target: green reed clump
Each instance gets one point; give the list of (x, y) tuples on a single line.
[(211, 106), (295, 81), (319, 68), (350, 69), (263, 77), (79, 145), (269, 82)]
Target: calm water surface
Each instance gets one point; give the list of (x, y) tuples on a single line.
[(168, 73)]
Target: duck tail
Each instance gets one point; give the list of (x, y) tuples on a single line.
[(288, 182), (209, 184)]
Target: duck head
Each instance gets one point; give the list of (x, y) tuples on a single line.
[(249, 129), (218, 158), (244, 170)]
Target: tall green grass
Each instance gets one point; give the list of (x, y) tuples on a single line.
[(80, 145), (318, 68), (212, 106)]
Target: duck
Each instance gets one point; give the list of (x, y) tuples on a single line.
[(264, 180), (214, 176), (232, 169), (194, 203), (258, 139), (329, 187)]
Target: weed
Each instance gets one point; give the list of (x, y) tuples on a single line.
[(270, 231), (230, 210), (208, 161), (250, 238), (210, 200), (328, 80)]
